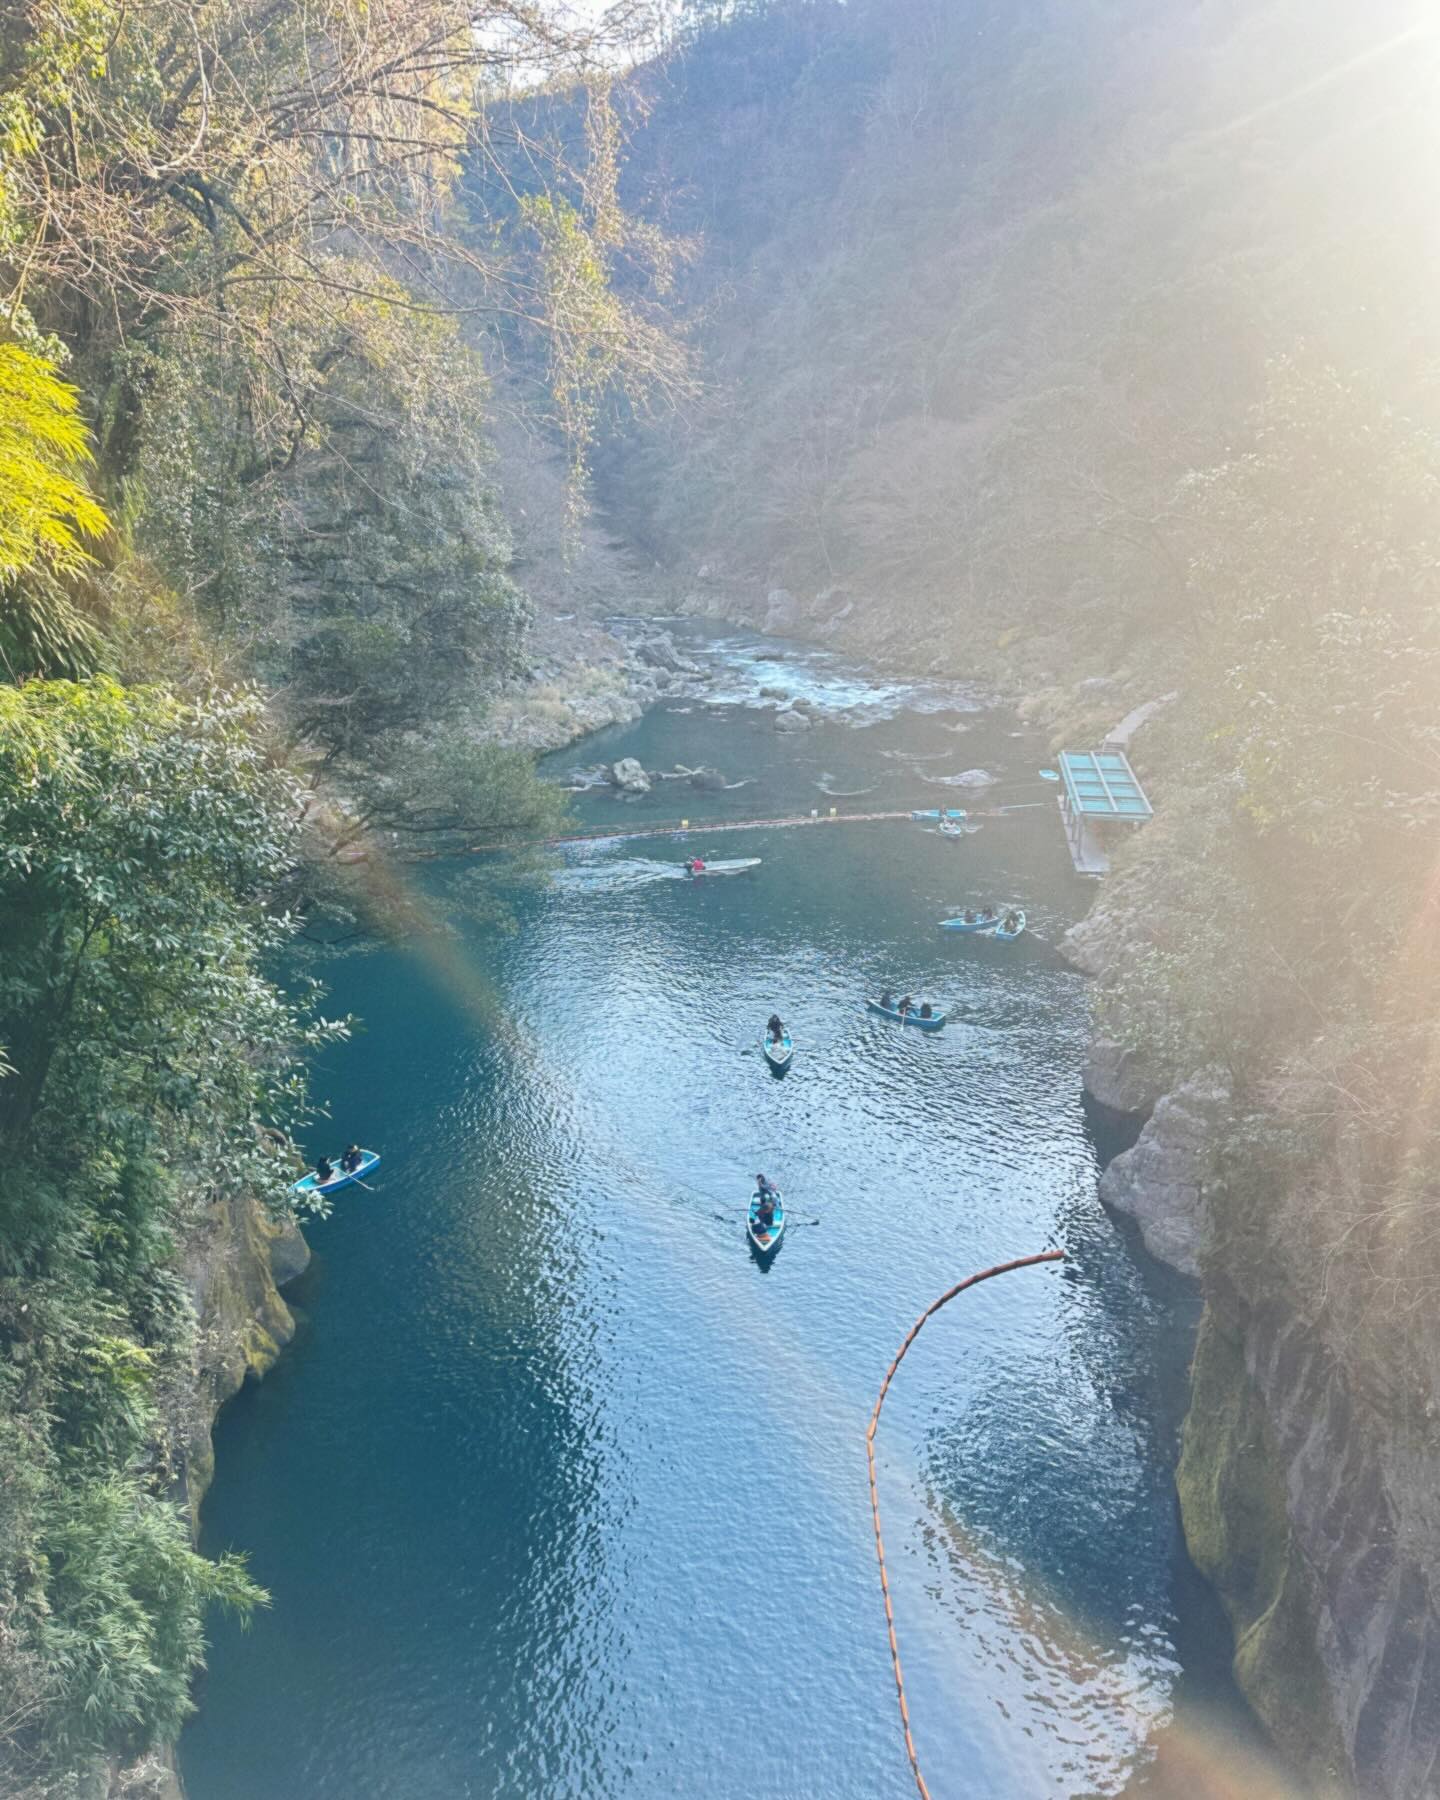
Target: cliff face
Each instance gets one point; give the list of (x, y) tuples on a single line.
[(1309, 1496), (235, 1263), (1309, 1481)]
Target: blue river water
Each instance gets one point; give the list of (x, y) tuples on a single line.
[(560, 1492)]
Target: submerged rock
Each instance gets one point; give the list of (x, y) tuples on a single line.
[(791, 721), (709, 781), (973, 778), (629, 776)]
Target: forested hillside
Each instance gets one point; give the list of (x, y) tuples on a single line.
[(1093, 347), (255, 589), (979, 286)]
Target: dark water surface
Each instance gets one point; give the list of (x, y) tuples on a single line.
[(559, 1492)]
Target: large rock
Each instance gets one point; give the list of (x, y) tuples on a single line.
[(709, 781), (975, 778), (1161, 1182), (629, 776), (659, 652), (791, 721), (1119, 1079)]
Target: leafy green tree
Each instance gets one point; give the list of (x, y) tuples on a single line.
[(140, 835)]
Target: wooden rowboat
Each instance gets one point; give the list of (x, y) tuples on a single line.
[(778, 1055), (1003, 936), (971, 924)]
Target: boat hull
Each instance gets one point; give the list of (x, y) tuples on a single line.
[(909, 1018), (739, 866), (1008, 937), (778, 1055), (309, 1184), (765, 1243), (972, 925)]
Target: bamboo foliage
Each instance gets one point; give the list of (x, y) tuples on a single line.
[(46, 510)]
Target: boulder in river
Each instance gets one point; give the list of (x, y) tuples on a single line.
[(774, 693), (709, 781), (629, 777), (974, 778), (791, 721), (659, 652)]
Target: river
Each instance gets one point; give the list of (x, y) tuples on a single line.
[(559, 1491)]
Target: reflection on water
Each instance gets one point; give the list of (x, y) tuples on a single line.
[(563, 1494)]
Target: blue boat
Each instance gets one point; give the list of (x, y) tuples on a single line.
[(312, 1184), (765, 1242), (971, 924), (908, 1018), (1008, 937), (938, 814), (778, 1055)]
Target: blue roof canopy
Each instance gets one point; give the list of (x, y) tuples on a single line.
[(1100, 784)]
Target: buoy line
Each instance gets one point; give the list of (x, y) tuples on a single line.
[(1020, 1262)]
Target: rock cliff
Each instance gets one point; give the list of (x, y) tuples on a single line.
[(1309, 1480), (235, 1263)]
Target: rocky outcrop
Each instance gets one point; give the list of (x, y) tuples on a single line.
[(782, 612), (1119, 1079), (629, 776), (235, 1263), (792, 721), (1161, 1181), (659, 652)]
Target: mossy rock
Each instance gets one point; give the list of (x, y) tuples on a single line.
[(1237, 1528)]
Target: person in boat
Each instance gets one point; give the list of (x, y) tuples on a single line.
[(1012, 919), (987, 912), (352, 1159), (926, 1011), (887, 999), (695, 866), (765, 1211), (969, 915), (905, 1006), (776, 1028), (324, 1169)]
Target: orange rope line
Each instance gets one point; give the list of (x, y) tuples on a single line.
[(1020, 1262)]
